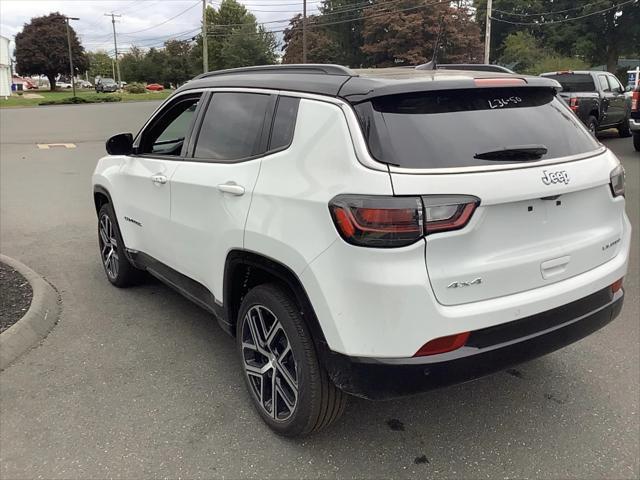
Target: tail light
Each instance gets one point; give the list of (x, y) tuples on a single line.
[(387, 222), (635, 101), (573, 104), (443, 344), (617, 181)]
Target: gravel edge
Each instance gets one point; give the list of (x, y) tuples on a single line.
[(36, 324)]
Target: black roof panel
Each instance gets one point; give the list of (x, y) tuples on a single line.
[(352, 85)]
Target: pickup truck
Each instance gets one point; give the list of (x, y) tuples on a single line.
[(597, 98), (634, 120)]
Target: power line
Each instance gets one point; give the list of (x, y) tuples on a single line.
[(337, 22), (551, 22), (542, 14), (382, 5), (162, 23)]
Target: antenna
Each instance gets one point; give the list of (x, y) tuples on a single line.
[(432, 64)]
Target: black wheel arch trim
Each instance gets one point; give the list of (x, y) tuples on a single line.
[(238, 258)]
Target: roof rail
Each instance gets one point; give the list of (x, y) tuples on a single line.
[(301, 68)]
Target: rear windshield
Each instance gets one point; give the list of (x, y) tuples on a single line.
[(574, 82), (447, 128)]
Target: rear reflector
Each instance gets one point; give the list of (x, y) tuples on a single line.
[(499, 82), (617, 285), (443, 344)]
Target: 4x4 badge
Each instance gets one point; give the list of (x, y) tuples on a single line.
[(555, 177), (475, 281)]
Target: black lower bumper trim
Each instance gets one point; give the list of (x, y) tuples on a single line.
[(379, 379)]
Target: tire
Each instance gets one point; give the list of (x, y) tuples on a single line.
[(636, 141), (592, 125), (117, 267), (275, 348), (623, 129)]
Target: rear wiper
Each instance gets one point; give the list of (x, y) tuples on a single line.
[(515, 152)]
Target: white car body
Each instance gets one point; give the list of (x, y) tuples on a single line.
[(531, 246)]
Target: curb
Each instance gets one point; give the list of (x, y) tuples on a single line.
[(36, 324)]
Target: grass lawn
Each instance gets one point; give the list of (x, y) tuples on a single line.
[(20, 101)]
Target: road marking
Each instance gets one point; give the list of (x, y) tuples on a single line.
[(47, 146)]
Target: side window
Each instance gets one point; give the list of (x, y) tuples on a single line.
[(167, 135), (232, 127), (284, 123), (604, 85), (615, 84)]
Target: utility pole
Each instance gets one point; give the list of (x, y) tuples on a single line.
[(205, 46), (487, 33), (73, 83), (115, 42), (304, 31)]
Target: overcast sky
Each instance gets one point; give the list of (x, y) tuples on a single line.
[(143, 23)]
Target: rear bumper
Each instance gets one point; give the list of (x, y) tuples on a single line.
[(487, 350), (634, 125)]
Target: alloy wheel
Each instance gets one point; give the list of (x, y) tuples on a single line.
[(108, 246), (269, 363)]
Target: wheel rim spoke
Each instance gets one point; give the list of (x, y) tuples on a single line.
[(269, 363), (108, 246)]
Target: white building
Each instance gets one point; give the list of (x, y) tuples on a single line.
[(5, 68)]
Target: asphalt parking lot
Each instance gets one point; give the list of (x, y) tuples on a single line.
[(140, 382)]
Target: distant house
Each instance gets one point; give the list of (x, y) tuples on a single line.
[(5, 68)]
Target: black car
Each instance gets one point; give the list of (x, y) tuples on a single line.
[(597, 98), (105, 85)]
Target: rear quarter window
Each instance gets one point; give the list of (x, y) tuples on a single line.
[(445, 129), (284, 123), (574, 82)]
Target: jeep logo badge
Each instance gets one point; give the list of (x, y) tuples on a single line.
[(549, 178)]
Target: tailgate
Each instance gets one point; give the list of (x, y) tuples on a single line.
[(526, 233)]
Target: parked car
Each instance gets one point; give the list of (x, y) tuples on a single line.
[(83, 84), (155, 87), (634, 120), (376, 233), (63, 85), (105, 85), (597, 98)]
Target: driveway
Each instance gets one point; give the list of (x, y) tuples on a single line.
[(140, 383)]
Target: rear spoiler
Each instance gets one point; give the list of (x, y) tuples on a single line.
[(368, 88)]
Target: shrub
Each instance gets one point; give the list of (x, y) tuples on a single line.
[(86, 99), (134, 88)]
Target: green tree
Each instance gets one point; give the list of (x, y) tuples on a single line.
[(152, 67), (42, 49), (341, 21), (234, 39), (178, 67), (321, 48), (132, 65), (600, 38), (100, 64), (522, 50)]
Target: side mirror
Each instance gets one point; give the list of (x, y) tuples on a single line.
[(121, 144)]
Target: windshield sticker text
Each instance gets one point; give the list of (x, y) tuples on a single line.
[(503, 102)]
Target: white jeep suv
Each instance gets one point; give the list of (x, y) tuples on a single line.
[(375, 233)]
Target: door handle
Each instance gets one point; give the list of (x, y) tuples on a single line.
[(232, 188), (159, 179)]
